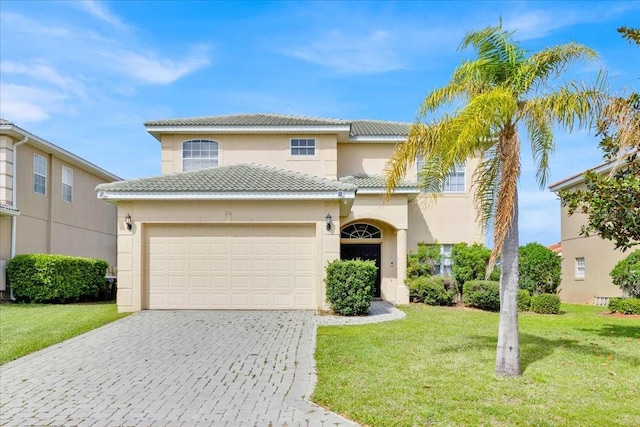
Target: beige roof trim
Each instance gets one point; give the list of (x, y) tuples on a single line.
[(579, 178), (156, 131), (297, 195)]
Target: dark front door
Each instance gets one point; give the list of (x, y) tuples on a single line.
[(363, 252)]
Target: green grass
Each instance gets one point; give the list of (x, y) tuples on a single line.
[(25, 328), (436, 367)]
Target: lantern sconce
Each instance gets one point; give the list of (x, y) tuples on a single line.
[(328, 219), (127, 220)]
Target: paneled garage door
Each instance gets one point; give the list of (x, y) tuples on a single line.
[(231, 266)]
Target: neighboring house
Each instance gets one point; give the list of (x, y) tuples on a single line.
[(251, 208), (556, 248), (48, 203), (586, 261)]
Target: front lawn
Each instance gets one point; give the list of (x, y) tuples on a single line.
[(25, 328), (436, 368)]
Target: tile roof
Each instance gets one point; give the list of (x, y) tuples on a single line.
[(357, 127), (242, 178), (249, 120), (377, 182)]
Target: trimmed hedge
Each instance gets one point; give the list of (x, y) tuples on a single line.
[(524, 300), (624, 305), (432, 290), (545, 303), (46, 278), (350, 286), (482, 294)]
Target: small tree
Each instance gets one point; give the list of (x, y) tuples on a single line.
[(424, 261), (626, 274), (539, 269), (469, 262)]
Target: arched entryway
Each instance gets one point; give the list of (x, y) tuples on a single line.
[(363, 241)]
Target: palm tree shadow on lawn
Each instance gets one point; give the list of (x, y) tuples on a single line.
[(534, 348)]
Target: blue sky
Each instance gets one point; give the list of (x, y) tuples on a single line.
[(85, 75)]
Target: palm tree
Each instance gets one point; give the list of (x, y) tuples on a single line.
[(502, 90)]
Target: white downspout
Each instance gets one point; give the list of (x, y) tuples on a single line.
[(14, 201)]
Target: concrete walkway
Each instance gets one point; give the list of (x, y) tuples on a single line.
[(177, 368)]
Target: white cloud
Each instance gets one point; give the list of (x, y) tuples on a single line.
[(46, 74), (156, 70), (352, 54), (98, 10), (28, 104)]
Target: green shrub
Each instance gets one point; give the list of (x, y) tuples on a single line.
[(624, 305), (626, 274), (482, 294), (469, 262), (545, 303), (539, 269), (350, 286), (55, 278), (433, 290), (524, 300), (424, 261)]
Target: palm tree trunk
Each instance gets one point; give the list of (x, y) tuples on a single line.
[(508, 354)]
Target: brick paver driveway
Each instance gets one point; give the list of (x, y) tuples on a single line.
[(172, 368)]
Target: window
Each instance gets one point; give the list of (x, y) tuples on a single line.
[(199, 154), (360, 231), (580, 271), (454, 182), (303, 147), (444, 268), (39, 174), (67, 184)]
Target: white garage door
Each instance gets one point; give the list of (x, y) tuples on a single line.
[(231, 266)]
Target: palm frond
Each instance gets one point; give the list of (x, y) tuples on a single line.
[(486, 177), (539, 129), (552, 62)]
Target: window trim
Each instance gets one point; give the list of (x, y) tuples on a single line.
[(580, 270), (458, 168), (66, 184), (361, 230), (36, 173), (215, 157), (302, 147)]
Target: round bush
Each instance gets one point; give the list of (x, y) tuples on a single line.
[(539, 269), (626, 274), (432, 290), (545, 303), (524, 300), (482, 294), (350, 286)]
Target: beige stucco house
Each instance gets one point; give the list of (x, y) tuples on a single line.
[(586, 261), (48, 202), (251, 208)]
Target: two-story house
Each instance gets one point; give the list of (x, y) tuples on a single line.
[(586, 261), (251, 208), (48, 203)]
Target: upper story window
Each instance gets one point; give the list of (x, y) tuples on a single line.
[(67, 184), (39, 174), (303, 147), (454, 182), (199, 154), (580, 268)]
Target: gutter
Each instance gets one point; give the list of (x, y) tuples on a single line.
[(14, 201)]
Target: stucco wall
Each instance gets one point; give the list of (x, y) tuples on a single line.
[(269, 150), (600, 257), (48, 224)]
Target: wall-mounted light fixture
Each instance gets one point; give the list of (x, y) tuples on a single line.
[(127, 220), (328, 219)]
